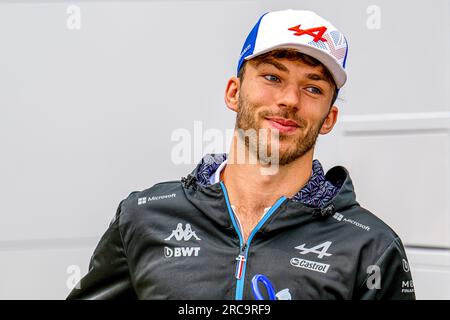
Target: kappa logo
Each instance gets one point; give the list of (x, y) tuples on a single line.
[(180, 234), (183, 234)]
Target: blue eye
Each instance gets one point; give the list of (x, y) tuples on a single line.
[(314, 90), (271, 77)]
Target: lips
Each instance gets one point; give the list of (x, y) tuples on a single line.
[(284, 122), (284, 126)]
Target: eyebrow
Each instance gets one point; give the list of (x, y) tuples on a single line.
[(282, 67), (315, 76), (274, 63)]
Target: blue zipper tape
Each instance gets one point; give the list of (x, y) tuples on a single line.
[(240, 282)]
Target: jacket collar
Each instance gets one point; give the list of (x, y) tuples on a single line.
[(317, 191), (322, 195)]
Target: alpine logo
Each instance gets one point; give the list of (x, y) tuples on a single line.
[(320, 254), (183, 234), (320, 250), (316, 33)]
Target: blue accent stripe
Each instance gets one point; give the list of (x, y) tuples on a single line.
[(230, 212), (233, 220), (346, 52), (249, 44), (240, 282)]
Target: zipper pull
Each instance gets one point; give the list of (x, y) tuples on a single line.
[(241, 261), (240, 266)]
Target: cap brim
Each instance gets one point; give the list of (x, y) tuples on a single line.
[(337, 71)]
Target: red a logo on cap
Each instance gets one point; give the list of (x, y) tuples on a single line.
[(317, 33)]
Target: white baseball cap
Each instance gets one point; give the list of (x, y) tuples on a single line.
[(304, 31)]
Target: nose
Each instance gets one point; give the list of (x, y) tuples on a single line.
[(289, 97)]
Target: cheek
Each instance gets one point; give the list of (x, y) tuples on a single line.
[(313, 113), (254, 105), (259, 94)]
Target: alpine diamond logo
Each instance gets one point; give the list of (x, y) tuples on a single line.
[(315, 250), (183, 234), (320, 250)]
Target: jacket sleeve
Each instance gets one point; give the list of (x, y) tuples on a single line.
[(390, 277), (108, 276)]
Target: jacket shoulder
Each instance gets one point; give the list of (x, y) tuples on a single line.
[(364, 219), (159, 191), (379, 247), (137, 200)]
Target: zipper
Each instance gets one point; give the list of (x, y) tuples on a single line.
[(244, 246), (241, 258)]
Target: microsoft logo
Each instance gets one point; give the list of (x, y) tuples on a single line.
[(144, 200)]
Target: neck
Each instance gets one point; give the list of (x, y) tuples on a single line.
[(250, 189)]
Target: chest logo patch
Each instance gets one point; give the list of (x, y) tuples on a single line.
[(321, 250), (183, 234)]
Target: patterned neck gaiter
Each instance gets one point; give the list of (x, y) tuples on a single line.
[(315, 193)]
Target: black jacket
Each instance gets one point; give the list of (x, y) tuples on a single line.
[(180, 240)]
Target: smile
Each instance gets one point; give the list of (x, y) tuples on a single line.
[(283, 125)]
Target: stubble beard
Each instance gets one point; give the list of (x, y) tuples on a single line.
[(248, 118)]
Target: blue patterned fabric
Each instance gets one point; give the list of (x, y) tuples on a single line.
[(208, 166), (315, 193), (317, 190)]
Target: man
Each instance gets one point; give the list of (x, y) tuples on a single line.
[(208, 235)]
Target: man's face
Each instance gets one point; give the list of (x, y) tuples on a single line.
[(289, 96)]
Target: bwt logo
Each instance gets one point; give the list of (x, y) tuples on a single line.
[(181, 252)]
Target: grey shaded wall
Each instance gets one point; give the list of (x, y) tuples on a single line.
[(87, 115)]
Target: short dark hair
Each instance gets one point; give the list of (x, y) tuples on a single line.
[(293, 55)]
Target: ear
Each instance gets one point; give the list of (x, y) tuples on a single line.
[(232, 93), (329, 121)]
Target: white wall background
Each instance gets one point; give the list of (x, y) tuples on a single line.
[(86, 117)]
